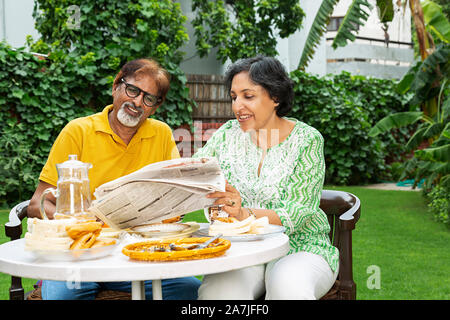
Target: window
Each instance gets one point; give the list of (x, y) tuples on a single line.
[(335, 23)]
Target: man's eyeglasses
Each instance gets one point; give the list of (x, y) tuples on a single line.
[(133, 91)]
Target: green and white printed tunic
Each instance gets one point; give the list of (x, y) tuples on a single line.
[(290, 181)]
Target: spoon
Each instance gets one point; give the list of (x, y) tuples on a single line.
[(203, 245)]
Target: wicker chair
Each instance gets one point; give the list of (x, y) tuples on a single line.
[(342, 208)]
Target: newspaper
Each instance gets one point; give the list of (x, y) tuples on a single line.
[(159, 191)]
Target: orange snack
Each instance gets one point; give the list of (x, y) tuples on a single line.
[(85, 241), (171, 220), (77, 230), (151, 250)]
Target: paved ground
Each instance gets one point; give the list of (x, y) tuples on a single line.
[(390, 186)]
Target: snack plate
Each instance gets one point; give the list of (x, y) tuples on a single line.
[(75, 255), (192, 227), (271, 230)]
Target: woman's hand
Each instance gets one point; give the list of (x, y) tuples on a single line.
[(231, 199)]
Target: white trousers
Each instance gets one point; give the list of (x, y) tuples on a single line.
[(299, 276)]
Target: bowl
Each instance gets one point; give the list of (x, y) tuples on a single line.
[(75, 255), (160, 229)]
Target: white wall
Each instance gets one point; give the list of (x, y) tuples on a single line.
[(290, 49), (399, 29), (390, 62), (16, 21), (192, 63)]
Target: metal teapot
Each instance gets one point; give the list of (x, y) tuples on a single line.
[(73, 196)]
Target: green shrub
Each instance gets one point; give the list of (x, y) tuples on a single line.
[(439, 204), (344, 108), (38, 97), (395, 170), (105, 35)]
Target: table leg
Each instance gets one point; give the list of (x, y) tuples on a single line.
[(137, 290), (157, 289)]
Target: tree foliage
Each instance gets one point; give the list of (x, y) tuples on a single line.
[(244, 28), (86, 42), (343, 108), (109, 33), (356, 17)]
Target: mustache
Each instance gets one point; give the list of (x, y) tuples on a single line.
[(131, 104)]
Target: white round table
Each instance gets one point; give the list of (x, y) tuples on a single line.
[(14, 260)]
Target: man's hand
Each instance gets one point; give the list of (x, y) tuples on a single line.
[(33, 210)]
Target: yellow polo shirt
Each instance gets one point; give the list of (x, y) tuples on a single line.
[(92, 139)]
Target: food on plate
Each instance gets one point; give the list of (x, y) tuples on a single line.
[(232, 227), (103, 243), (49, 235), (159, 250), (172, 220), (227, 219), (84, 242), (63, 234), (84, 234), (259, 225), (77, 230), (110, 233)]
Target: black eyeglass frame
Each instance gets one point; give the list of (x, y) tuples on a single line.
[(157, 100)]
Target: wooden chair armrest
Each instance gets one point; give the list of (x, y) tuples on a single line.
[(13, 228), (347, 223), (349, 218)]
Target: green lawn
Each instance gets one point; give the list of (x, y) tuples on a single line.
[(395, 236), (399, 237)]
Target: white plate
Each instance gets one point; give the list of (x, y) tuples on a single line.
[(75, 255), (192, 227), (159, 229), (271, 230)]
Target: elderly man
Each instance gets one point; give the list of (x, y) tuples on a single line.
[(117, 141)]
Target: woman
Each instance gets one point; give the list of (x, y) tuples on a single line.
[(274, 167)]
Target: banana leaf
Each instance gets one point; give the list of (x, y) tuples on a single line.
[(427, 74), (395, 120), (385, 10), (431, 170), (355, 17), (445, 134), (438, 154), (445, 182), (404, 84), (422, 77), (318, 28), (436, 20), (416, 138), (444, 138), (433, 130), (446, 108)]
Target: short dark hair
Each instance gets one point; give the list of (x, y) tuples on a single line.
[(270, 74), (149, 67)]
